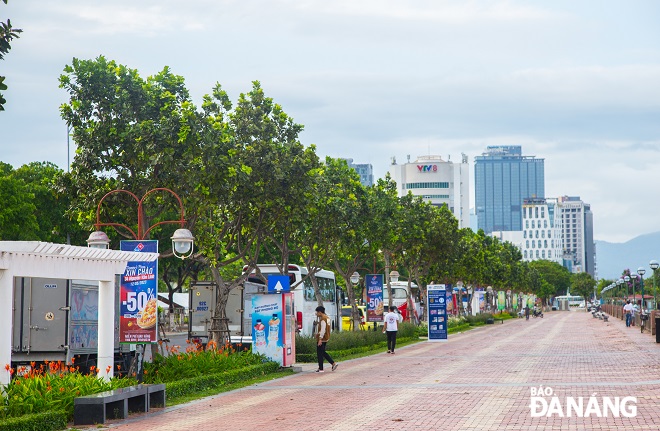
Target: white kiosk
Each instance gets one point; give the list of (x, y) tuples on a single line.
[(48, 260)]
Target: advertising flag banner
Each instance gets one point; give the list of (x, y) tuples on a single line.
[(501, 300), (138, 296), (374, 297), (437, 298)]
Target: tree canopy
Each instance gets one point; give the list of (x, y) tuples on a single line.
[(7, 34)]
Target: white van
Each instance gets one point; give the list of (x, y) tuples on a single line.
[(399, 295)]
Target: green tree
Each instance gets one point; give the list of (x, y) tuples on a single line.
[(18, 212), (51, 203), (554, 274), (252, 175), (7, 34), (583, 284), (136, 135), (384, 225)]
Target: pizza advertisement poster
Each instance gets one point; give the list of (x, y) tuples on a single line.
[(138, 296)]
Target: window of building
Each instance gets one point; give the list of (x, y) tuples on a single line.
[(542, 234), (537, 233), (536, 212), (545, 224), (543, 254), (525, 254), (539, 243), (524, 234), (430, 185), (537, 254), (527, 244), (526, 224), (545, 243)]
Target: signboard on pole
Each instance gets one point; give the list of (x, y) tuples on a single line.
[(437, 297), (138, 319), (374, 297), (279, 283)]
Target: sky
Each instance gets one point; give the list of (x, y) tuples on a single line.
[(576, 83)]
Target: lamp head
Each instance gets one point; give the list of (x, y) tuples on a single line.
[(641, 271), (654, 264), (182, 243), (98, 239), (355, 278), (394, 275)]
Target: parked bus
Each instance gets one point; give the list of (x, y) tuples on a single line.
[(574, 301), (304, 298)]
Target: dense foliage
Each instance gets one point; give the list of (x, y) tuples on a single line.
[(7, 34), (253, 193)]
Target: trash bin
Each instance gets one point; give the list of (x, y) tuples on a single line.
[(657, 328)]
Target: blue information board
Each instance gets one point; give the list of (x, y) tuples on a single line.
[(437, 311)]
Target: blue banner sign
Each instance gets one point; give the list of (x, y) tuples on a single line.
[(437, 295)]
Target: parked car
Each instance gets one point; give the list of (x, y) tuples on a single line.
[(346, 321)]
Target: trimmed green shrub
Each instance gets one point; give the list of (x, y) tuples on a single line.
[(201, 383), (46, 421)]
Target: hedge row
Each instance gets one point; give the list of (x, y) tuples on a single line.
[(337, 354), (201, 383), (47, 421)]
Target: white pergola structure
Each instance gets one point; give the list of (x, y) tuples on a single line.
[(48, 260)]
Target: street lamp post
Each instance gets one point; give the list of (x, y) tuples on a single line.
[(182, 240), (627, 280), (654, 265), (641, 271), (633, 278)]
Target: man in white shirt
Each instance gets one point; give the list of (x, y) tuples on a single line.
[(391, 327), (628, 310)]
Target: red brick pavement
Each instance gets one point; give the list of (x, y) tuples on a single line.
[(478, 380)]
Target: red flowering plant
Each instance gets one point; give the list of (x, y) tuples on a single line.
[(51, 386), (197, 360)]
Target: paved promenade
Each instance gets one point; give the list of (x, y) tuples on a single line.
[(479, 380)]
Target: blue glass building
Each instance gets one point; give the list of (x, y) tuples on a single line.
[(503, 178)]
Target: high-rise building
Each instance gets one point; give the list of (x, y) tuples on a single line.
[(437, 181), (503, 178), (578, 234), (365, 170), (542, 232)]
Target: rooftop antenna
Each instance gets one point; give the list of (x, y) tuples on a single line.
[(408, 156), (393, 160)]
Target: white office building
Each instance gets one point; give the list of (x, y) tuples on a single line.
[(437, 181), (542, 230)]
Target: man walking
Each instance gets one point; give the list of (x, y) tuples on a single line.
[(322, 335), (391, 326), (628, 310)]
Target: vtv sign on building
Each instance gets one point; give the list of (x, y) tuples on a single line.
[(427, 168), (437, 181)]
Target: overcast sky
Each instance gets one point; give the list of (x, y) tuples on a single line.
[(574, 82)]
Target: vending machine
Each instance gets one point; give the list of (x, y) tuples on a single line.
[(274, 327)]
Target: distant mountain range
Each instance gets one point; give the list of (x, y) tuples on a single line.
[(613, 258)]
